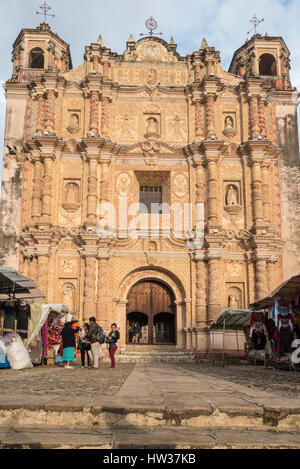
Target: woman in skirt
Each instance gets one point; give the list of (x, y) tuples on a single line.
[(68, 339)]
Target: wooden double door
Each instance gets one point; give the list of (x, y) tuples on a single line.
[(151, 305)]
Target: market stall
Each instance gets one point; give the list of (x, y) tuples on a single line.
[(45, 342), (230, 320), (281, 320), (19, 301)]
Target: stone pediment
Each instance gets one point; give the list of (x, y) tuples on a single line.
[(151, 49)]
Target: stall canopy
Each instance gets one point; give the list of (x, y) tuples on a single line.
[(234, 319), (15, 286), (287, 290)]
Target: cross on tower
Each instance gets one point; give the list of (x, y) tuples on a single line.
[(255, 21), (45, 8)]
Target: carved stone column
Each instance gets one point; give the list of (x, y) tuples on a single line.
[(197, 75), (50, 112), (201, 317), (261, 280), (104, 182), (256, 192), (210, 66), (95, 62), (102, 287), (199, 120), (40, 120), (47, 189), (210, 115), (253, 117), (94, 113), (266, 192), (212, 202), (106, 65), (262, 117), (105, 116), (214, 304), (200, 195), (36, 204), (89, 301), (42, 277), (92, 189)]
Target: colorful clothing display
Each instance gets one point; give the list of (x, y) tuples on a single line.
[(54, 332)]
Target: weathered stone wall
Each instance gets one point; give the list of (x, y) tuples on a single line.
[(12, 181), (289, 176)]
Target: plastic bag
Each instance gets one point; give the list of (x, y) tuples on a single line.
[(17, 355), (2, 347)]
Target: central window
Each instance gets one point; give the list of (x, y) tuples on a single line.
[(150, 195)]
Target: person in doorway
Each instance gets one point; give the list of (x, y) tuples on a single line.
[(112, 340), (92, 338), (68, 340), (85, 345), (135, 333)]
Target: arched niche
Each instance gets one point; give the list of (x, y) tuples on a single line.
[(267, 65), (36, 58)]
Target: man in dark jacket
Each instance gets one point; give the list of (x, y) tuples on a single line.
[(95, 345)]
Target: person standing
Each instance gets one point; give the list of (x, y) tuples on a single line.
[(68, 340), (92, 338), (85, 345), (112, 340)]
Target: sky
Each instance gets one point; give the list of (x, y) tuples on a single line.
[(224, 23)]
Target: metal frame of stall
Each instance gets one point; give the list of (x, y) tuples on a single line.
[(233, 319)]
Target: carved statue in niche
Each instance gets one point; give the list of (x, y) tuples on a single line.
[(123, 183), (74, 124), (229, 129), (72, 193), (228, 122), (233, 302), (72, 197), (152, 246), (68, 295), (232, 196), (152, 127)]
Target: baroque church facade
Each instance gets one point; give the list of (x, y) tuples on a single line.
[(151, 126)]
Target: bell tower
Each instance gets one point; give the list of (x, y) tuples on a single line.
[(265, 57), (38, 50)]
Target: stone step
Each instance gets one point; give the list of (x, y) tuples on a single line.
[(165, 437)]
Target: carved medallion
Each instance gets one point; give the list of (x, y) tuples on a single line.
[(180, 185)]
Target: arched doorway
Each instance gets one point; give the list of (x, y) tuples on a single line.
[(155, 301)]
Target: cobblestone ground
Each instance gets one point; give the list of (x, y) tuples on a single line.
[(282, 382), (56, 380)]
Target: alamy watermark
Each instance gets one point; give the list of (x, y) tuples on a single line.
[(162, 220)]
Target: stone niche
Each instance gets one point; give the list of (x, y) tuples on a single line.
[(74, 121), (232, 196), (71, 196), (229, 124), (235, 295)]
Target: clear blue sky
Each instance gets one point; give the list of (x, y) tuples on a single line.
[(224, 23)]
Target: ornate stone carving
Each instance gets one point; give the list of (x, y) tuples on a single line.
[(50, 112), (253, 117), (94, 113), (199, 120), (176, 128), (229, 130), (105, 117), (126, 127), (210, 115), (261, 281), (261, 118), (123, 183), (180, 185)]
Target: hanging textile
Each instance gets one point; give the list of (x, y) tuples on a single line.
[(9, 317), (23, 315), (45, 342)]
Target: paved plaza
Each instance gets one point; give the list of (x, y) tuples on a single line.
[(150, 405)]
